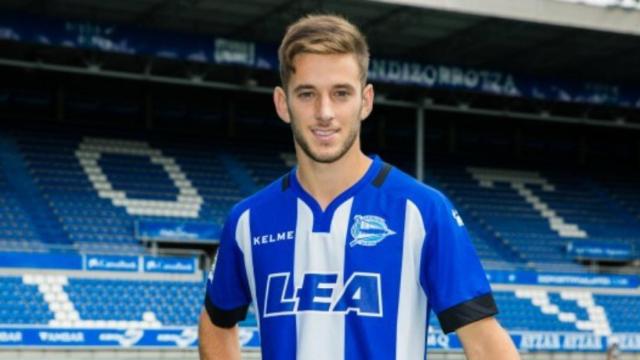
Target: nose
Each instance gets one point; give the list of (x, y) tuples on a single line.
[(324, 109)]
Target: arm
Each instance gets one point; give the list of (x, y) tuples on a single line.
[(226, 299), (457, 287), (216, 342), (486, 339)]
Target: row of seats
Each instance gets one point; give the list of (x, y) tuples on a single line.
[(16, 228), (119, 182), (533, 216), (86, 302), (96, 188)]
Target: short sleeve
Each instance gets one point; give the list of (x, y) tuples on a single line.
[(227, 295), (451, 273)]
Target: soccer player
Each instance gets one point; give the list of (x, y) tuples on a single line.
[(344, 256)]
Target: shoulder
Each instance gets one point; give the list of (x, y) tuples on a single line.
[(268, 194), (403, 186)]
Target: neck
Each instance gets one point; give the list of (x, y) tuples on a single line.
[(326, 181)]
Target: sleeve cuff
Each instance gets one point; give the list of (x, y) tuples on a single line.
[(467, 312), (225, 318)]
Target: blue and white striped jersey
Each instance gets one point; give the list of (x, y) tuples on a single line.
[(355, 281)]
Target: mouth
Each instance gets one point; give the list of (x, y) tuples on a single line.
[(324, 134)]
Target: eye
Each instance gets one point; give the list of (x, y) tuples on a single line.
[(342, 94), (305, 95)]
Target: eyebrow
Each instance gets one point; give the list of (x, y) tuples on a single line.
[(344, 86), (302, 87)]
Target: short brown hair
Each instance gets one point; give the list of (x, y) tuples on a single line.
[(322, 34)]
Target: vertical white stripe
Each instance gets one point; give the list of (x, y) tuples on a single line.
[(412, 305), (243, 238), (320, 335)]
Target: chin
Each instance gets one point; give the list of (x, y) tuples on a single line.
[(327, 158), (323, 153)]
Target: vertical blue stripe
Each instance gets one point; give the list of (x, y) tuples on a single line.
[(271, 218), (374, 338)]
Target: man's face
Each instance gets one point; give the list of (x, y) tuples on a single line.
[(325, 103)]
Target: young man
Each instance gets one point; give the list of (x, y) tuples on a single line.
[(344, 256)]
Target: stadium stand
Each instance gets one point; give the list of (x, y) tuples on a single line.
[(517, 119), (17, 231), (532, 215), (97, 188), (86, 193), (22, 304), (624, 190), (89, 192), (94, 302)]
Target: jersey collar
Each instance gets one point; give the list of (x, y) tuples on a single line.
[(324, 217)]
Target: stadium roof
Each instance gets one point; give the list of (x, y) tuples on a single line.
[(615, 16), (427, 33), (395, 30)]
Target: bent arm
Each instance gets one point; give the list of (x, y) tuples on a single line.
[(215, 342), (486, 340)]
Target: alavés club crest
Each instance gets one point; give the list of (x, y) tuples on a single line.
[(369, 230)]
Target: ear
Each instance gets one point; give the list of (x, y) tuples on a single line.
[(367, 102), (280, 101)]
